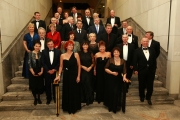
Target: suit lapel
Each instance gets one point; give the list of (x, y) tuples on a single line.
[(143, 53)]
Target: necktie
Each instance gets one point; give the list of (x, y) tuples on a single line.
[(145, 49), (129, 35), (79, 31), (108, 37), (124, 44), (51, 50), (97, 29)]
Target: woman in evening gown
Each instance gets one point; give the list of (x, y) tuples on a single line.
[(116, 76), (100, 61), (87, 63), (70, 64)]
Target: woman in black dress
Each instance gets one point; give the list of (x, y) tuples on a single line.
[(70, 64), (36, 71), (116, 76), (87, 63), (100, 61), (93, 46)]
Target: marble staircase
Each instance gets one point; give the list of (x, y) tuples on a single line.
[(18, 96)]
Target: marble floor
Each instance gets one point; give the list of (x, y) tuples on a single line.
[(98, 112)]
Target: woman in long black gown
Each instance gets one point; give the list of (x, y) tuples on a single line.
[(100, 61), (87, 63), (116, 75), (70, 64), (36, 71)]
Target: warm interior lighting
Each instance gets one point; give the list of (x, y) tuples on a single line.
[(103, 6), (60, 1)]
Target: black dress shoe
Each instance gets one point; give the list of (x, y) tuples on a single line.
[(142, 99), (35, 102), (149, 102), (48, 102)]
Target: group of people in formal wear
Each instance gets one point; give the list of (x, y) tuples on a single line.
[(95, 62)]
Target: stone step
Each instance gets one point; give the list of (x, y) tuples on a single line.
[(134, 84), (19, 80), (28, 104), (157, 91), (21, 87), (26, 95), (20, 67), (18, 74)]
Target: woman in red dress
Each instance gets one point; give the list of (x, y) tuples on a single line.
[(54, 35)]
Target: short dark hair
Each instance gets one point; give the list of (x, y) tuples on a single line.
[(74, 7), (37, 42), (116, 48), (151, 33), (70, 33), (107, 25), (84, 43), (49, 40), (36, 13)]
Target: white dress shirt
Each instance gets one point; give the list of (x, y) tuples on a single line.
[(125, 52), (146, 53), (75, 17), (149, 44), (130, 39), (37, 24), (88, 19), (79, 30), (124, 30), (51, 56), (42, 45), (112, 21), (97, 28)]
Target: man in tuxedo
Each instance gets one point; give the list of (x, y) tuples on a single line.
[(114, 21), (74, 14), (122, 30), (109, 38), (127, 52), (144, 61), (50, 62), (58, 27), (97, 29), (67, 28), (80, 34), (133, 39), (87, 20), (61, 17), (153, 43), (42, 38), (37, 22)]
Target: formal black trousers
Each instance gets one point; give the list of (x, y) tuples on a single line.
[(49, 86), (146, 81)]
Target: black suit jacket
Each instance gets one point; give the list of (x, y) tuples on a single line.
[(66, 30), (140, 62), (41, 24), (111, 43), (80, 37), (46, 60), (156, 46), (92, 29), (131, 49), (117, 21), (85, 23), (134, 41), (45, 42), (92, 22)]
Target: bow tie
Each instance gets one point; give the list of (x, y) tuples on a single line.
[(37, 21), (124, 44), (145, 48), (51, 50), (129, 35)]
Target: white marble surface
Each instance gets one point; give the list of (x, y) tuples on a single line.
[(15, 14)]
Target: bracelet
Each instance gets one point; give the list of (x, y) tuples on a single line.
[(59, 74)]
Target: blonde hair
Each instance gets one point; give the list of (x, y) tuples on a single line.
[(30, 24), (52, 25), (91, 34)]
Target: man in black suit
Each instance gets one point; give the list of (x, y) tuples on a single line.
[(114, 21), (144, 61), (80, 34), (97, 29), (61, 17), (152, 43), (133, 39), (74, 14), (122, 30), (109, 38), (67, 27), (58, 27), (127, 52), (37, 22), (50, 61), (87, 20)]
